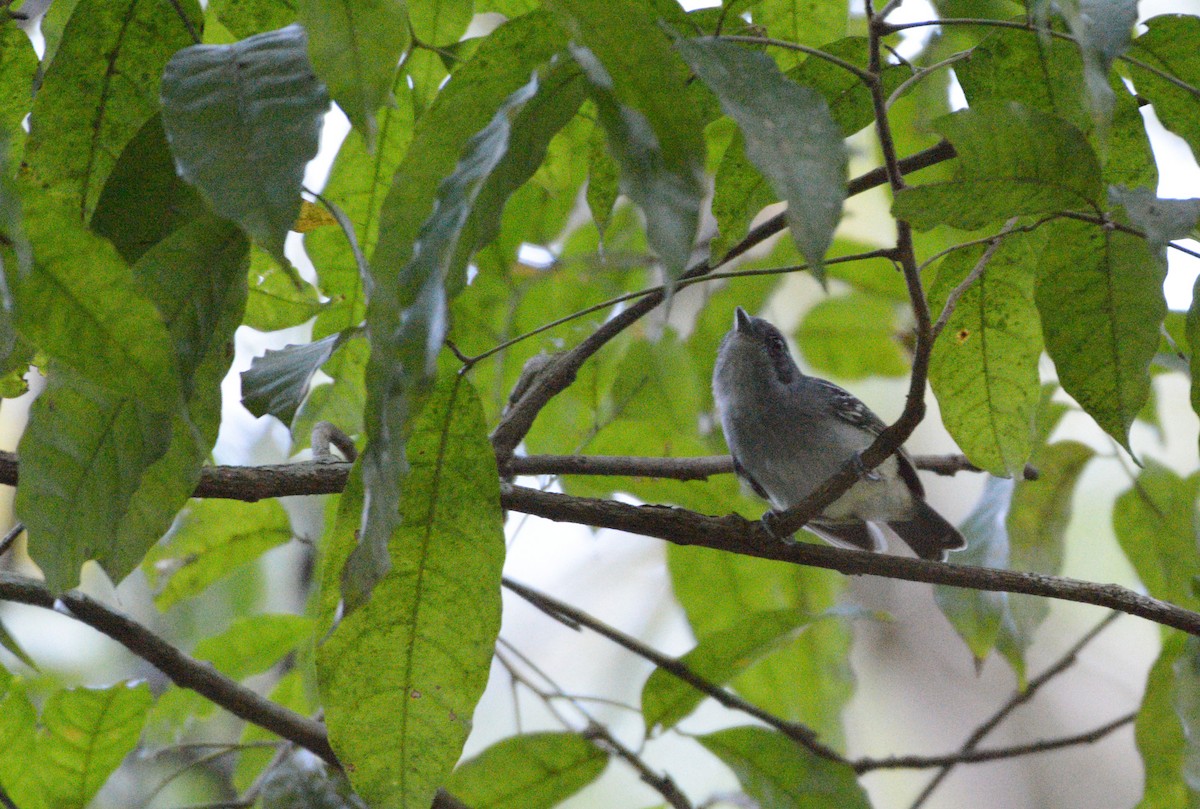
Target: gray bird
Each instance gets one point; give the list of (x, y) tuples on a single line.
[(788, 433)]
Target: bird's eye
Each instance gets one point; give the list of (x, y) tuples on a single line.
[(776, 344)]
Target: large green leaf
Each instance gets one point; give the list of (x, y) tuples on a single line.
[(406, 324), (18, 728), (440, 22), (999, 70), (253, 644), (718, 658), (1012, 160), (788, 134), (1167, 724), (984, 364), (1156, 524), (718, 592), (86, 734), (1100, 298), (80, 306), (1170, 44), (779, 774), (214, 538), (801, 21), (18, 64), (101, 87), (532, 771), (243, 121), (356, 47), (853, 336), (398, 718)]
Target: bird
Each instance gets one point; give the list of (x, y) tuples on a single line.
[(789, 432)]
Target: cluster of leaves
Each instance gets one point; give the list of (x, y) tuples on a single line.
[(144, 212)]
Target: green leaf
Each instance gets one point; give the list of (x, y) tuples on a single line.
[(1162, 220), (356, 47), (532, 771), (98, 92), (1193, 341), (144, 201), (718, 658), (739, 193), (398, 720), (244, 18), (1170, 44), (1102, 29), (603, 180), (777, 773), (253, 644), (406, 324), (999, 70), (274, 301), (214, 538), (80, 293), (717, 592), (277, 382), (801, 21), (637, 82), (440, 22), (788, 133), (86, 734), (1101, 302), (1156, 524), (1012, 160), (18, 64), (849, 99), (1165, 729), (984, 364), (82, 458), (18, 728), (852, 337), (976, 615), (243, 121)]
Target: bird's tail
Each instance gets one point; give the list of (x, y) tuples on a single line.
[(928, 533)]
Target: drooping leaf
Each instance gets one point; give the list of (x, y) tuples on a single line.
[(531, 771), (98, 92), (1156, 524), (1166, 726), (852, 337), (1012, 160), (976, 615), (277, 381), (406, 321), (86, 734), (399, 720), (984, 364), (243, 121), (1170, 45), (214, 538), (788, 133), (718, 658), (779, 774), (1101, 302), (356, 47)]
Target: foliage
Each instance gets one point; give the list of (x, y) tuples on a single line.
[(145, 212)]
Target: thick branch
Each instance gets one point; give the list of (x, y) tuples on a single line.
[(183, 670), (735, 534)]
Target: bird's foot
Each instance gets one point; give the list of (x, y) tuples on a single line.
[(863, 472), (770, 523)]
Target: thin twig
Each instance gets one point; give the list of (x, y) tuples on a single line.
[(972, 277), (11, 537), (559, 610), (1019, 697), (863, 75), (924, 73)]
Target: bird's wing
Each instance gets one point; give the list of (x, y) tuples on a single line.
[(744, 475)]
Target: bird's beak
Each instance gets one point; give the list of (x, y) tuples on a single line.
[(741, 320)]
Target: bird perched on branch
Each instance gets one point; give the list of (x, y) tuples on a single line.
[(789, 433)]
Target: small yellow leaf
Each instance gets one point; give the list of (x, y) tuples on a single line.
[(312, 217)]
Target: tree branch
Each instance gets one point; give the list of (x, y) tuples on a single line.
[(735, 534), (183, 670)]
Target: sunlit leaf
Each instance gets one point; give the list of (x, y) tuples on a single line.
[(531, 771), (1156, 524), (852, 337)]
